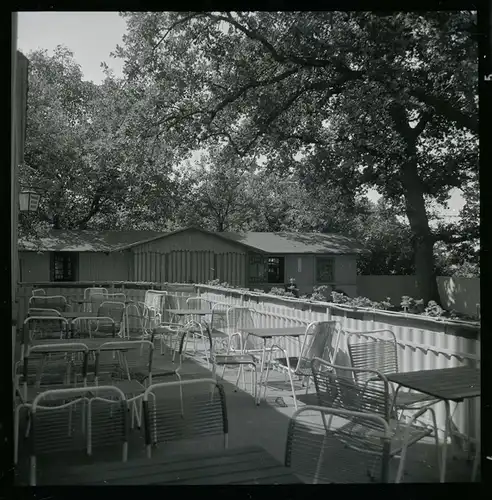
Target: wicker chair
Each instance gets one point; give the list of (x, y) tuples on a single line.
[(337, 387)]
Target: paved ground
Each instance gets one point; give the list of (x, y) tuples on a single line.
[(264, 425)]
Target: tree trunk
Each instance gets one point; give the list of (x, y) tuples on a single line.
[(419, 223)]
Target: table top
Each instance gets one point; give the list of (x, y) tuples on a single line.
[(185, 312), (78, 314), (452, 384), (292, 331), (251, 465)]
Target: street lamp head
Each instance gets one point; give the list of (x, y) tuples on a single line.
[(29, 200)]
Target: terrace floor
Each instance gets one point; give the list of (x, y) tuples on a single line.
[(265, 425)]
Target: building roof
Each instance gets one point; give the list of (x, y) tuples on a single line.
[(85, 241), (289, 243), (272, 243)]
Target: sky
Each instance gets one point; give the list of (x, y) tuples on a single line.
[(91, 36)]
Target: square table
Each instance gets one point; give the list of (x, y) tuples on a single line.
[(269, 333), (248, 465), (446, 384)]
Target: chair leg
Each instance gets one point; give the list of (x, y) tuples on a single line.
[(476, 461), (292, 388), (180, 394), (16, 432), (32, 470)]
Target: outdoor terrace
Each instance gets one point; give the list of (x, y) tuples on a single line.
[(264, 425)]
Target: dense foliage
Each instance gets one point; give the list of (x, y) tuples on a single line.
[(297, 114)]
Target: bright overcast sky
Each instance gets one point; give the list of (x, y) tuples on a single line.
[(91, 36)]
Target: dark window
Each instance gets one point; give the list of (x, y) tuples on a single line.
[(266, 269), (325, 270), (64, 266)]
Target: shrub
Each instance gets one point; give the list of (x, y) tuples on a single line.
[(280, 291), (411, 305)]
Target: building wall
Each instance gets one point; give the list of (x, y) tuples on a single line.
[(302, 267), (189, 256), (98, 266), (34, 266), (93, 266)]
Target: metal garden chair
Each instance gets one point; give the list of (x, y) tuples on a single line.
[(201, 414), (322, 453), (42, 371), (151, 309), (39, 311), (337, 387), (42, 327), (89, 292), (58, 302), (115, 311), (99, 298), (320, 340), (38, 291), (132, 368), (378, 350), (51, 410), (235, 354)]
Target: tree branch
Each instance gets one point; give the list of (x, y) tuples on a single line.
[(310, 62), (446, 109)]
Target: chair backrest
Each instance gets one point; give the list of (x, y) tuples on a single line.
[(373, 350), (331, 445), (114, 310), (54, 327), (38, 291), (57, 302), (176, 301), (154, 300), (184, 411), (89, 292), (88, 326), (98, 299), (199, 303), (51, 364), (134, 361), (218, 318), (320, 336), (57, 422), (337, 387), (39, 311), (241, 318)]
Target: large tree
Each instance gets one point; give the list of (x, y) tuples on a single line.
[(88, 146), (369, 100)]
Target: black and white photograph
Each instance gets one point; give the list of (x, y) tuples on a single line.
[(245, 247)]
